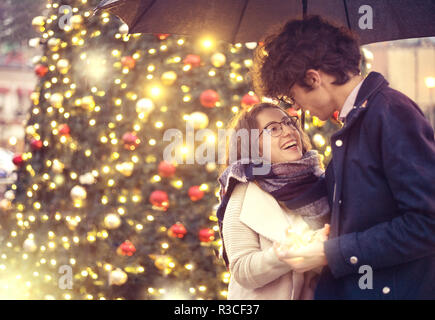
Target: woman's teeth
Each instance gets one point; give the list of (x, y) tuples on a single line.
[(290, 145)]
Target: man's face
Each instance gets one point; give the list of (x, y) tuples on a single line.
[(317, 101)]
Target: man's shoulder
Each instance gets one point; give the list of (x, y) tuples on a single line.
[(388, 101)]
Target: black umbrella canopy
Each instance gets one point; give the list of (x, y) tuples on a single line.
[(251, 20)]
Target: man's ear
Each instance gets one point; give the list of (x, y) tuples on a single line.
[(313, 78)]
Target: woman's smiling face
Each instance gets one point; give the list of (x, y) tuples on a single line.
[(285, 147)]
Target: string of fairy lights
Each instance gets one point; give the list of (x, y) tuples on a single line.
[(60, 106)]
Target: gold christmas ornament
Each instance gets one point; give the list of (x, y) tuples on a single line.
[(112, 221), (10, 195), (117, 277), (34, 42), (29, 245), (34, 96), (87, 178), (63, 66), (36, 59), (5, 205), (163, 263), (210, 167), (131, 95), (76, 21), (30, 130), (123, 29), (38, 23), (251, 45), (198, 119), (53, 44), (88, 103), (57, 166), (168, 78), (72, 223), (145, 106), (78, 193), (318, 140), (218, 59), (59, 179), (126, 168), (56, 100)]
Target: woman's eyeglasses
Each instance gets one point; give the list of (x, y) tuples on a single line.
[(275, 129)]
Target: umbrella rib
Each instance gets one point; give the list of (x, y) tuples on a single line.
[(304, 8), (109, 6), (139, 17), (347, 14), (240, 20)]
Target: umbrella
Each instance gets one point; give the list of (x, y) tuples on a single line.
[(250, 20)]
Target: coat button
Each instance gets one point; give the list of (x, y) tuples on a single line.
[(353, 260), (338, 143), (339, 201), (386, 290)]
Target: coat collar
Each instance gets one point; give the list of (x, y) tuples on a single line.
[(262, 213), (372, 83)]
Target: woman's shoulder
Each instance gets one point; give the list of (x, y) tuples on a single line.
[(235, 202), (240, 188)]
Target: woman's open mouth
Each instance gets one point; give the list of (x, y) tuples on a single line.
[(290, 145)]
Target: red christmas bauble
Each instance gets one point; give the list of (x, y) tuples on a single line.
[(162, 36), (209, 98), (335, 115), (159, 199), (41, 70), (249, 100), (36, 144), (64, 130), (18, 160), (177, 230), (166, 169), (195, 193), (206, 235), (126, 249), (131, 141), (128, 62), (192, 59)]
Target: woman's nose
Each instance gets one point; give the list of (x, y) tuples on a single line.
[(287, 129)]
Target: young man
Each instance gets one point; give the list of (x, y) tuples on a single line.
[(381, 179)]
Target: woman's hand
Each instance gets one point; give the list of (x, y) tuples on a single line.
[(307, 257)]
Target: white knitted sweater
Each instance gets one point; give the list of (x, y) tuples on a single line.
[(252, 264)]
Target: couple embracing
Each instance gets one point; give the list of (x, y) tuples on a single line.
[(302, 232)]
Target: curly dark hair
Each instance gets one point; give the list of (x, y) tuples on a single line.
[(312, 43)]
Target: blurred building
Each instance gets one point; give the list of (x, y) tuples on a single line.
[(409, 66), (17, 81)]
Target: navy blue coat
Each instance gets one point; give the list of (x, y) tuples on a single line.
[(381, 186)]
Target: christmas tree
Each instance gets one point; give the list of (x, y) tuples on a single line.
[(96, 212)]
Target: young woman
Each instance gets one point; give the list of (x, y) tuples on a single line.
[(250, 217)]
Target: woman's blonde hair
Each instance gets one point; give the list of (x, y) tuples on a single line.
[(247, 119)]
